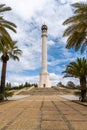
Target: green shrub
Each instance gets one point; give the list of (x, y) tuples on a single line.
[(1, 97), (77, 93), (8, 94)]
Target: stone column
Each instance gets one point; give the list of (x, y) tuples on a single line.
[(44, 48), (44, 75)]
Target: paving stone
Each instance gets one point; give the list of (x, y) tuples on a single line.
[(79, 125), (76, 117), (54, 125), (50, 112), (52, 117), (68, 112), (24, 125)]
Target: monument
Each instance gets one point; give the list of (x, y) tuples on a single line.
[(44, 75)]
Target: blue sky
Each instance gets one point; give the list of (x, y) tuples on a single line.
[(29, 15)]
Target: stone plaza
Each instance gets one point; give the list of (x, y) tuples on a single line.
[(43, 110)]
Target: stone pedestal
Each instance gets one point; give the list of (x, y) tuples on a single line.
[(44, 80)]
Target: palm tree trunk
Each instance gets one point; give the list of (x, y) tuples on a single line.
[(3, 77), (83, 88)]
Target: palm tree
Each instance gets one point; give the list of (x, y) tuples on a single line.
[(6, 41), (78, 69), (77, 28), (7, 52), (4, 24)]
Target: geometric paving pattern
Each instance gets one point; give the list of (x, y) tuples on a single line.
[(42, 112)]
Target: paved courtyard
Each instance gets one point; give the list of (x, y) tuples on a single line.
[(42, 112)]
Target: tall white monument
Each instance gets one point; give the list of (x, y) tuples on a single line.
[(44, 75)]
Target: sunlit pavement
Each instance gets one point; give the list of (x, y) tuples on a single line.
[(42, 112)]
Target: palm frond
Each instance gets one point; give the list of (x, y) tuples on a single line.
[(75, 19), (15, 52), (14, 57), (83, 47), (81, 10), (75, 40), (76, 69), (9, 23), (79, 5), (9, 27), (6, 36), (2, 5), (81, 27), (4, 8)]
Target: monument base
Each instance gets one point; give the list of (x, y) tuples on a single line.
[(44, 80)]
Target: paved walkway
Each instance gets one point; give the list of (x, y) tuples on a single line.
[(42, 113)]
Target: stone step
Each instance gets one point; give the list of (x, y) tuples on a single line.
[(44, 91), (39, 91)]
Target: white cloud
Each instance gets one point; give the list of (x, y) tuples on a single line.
[(74, 80), (25, 9), (55, 78), (51, 43), (21, 79)]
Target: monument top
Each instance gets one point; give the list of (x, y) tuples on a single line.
[(44, 27)]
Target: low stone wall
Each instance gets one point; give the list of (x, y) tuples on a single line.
[(24, 89)]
